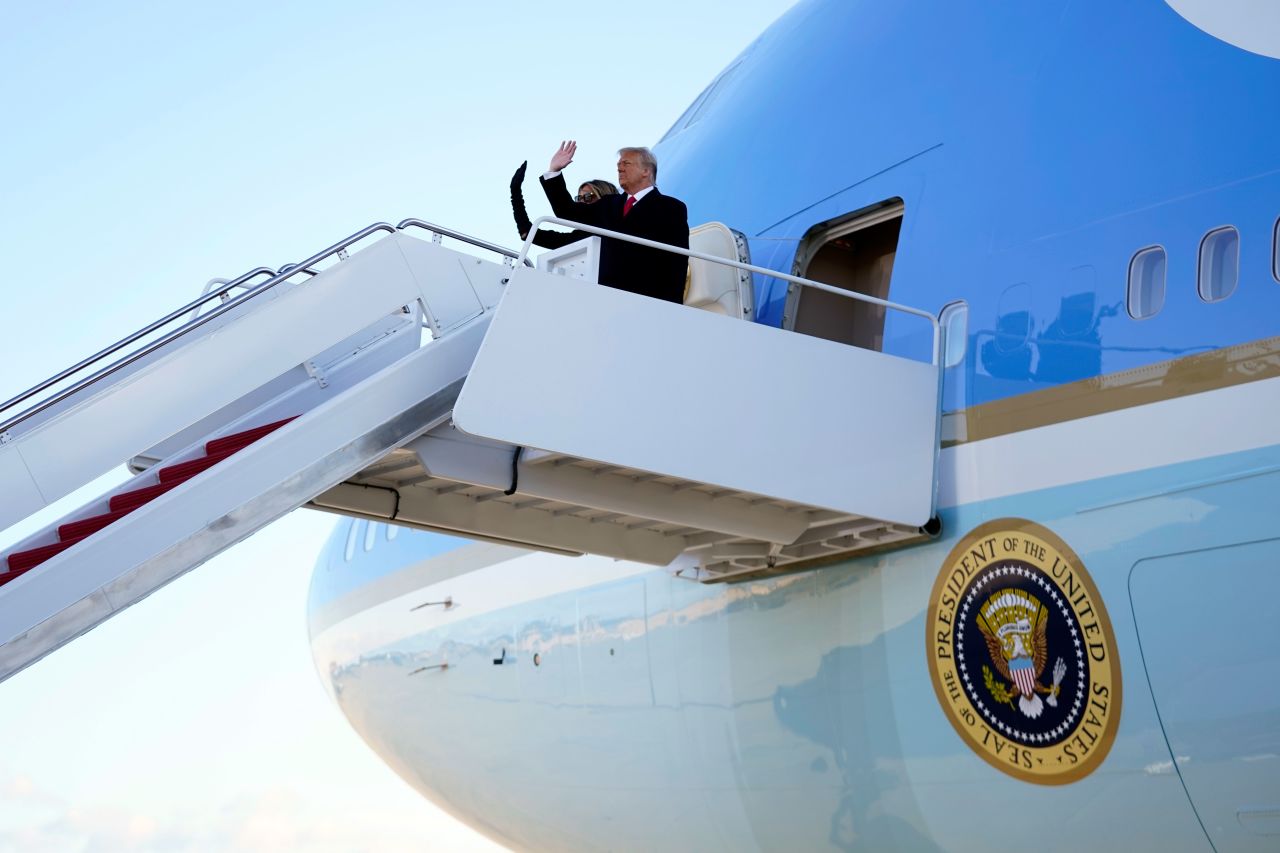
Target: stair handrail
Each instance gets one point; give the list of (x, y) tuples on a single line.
[(224, 287), (206, 296), (458, 235), (794, 279), (185, 329)]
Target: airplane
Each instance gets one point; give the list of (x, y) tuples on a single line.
[(946, 521)]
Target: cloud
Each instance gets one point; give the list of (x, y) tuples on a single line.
[(33, 820)]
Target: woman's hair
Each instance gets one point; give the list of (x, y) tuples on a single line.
[(602, 188)]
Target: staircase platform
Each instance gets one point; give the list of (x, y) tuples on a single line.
[(539, 411), (605, 438)]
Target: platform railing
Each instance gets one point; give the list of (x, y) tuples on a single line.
[(194, 305), (804, 282)]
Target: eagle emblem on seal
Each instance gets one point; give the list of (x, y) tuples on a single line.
[(1015, 625)]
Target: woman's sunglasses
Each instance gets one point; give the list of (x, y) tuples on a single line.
[(587, 197)]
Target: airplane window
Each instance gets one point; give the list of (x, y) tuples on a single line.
[(370, 535), (1146, 282), (1007, 351), (1219, 264), (1013, 318), (955, 326), (351, 539), (393, 530), (1275, 251)]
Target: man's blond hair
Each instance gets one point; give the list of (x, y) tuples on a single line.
[(646, 158)]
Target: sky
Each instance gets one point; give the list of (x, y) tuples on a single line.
[(146, 148)]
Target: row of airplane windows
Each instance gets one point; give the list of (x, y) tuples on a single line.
[(1217, 272), (370, 529)]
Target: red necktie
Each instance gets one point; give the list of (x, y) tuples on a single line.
[(626, 208)]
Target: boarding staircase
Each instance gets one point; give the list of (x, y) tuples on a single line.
[(466, 391)]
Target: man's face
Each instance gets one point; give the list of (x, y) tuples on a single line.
[(632, 174)]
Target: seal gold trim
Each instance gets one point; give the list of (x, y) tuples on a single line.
[(1022, 655)]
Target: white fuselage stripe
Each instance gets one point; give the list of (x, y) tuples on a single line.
[(1183, 429)]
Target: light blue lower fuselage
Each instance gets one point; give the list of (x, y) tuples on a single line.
[(797, 712)]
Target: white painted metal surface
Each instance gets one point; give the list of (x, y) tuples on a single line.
[(130, 559), (458, 287), (486, 464), (338, 368), (128, 416), (201, 376), (580, 260), (604, 375), (342, 353), (715, 287)]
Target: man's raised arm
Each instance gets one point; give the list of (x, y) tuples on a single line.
[(563, 157), (557, 192)]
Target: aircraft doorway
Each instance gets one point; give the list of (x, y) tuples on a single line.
[(856, 254)]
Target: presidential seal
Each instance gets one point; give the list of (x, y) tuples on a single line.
[(1022, 655)]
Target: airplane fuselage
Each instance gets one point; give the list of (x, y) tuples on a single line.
[(1085, 657)]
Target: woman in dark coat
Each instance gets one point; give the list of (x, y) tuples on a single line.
[(588, 193)]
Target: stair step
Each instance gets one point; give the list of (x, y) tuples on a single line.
[(243, 439), (137, 497), (126, 502), (216, 450), (21, 561), (186, 470), (85, 526), (5, 577)]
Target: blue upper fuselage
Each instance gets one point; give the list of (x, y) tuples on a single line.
[(1036, 149)]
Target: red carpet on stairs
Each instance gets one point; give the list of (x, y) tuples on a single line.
[(122, 504)]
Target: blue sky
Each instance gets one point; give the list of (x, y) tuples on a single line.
[(146, 148)]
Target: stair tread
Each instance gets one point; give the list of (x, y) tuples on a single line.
[(5, 577), (20, 561), (124, 503), (185, 470), (137, 497), (83, 527), (244, 438)]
